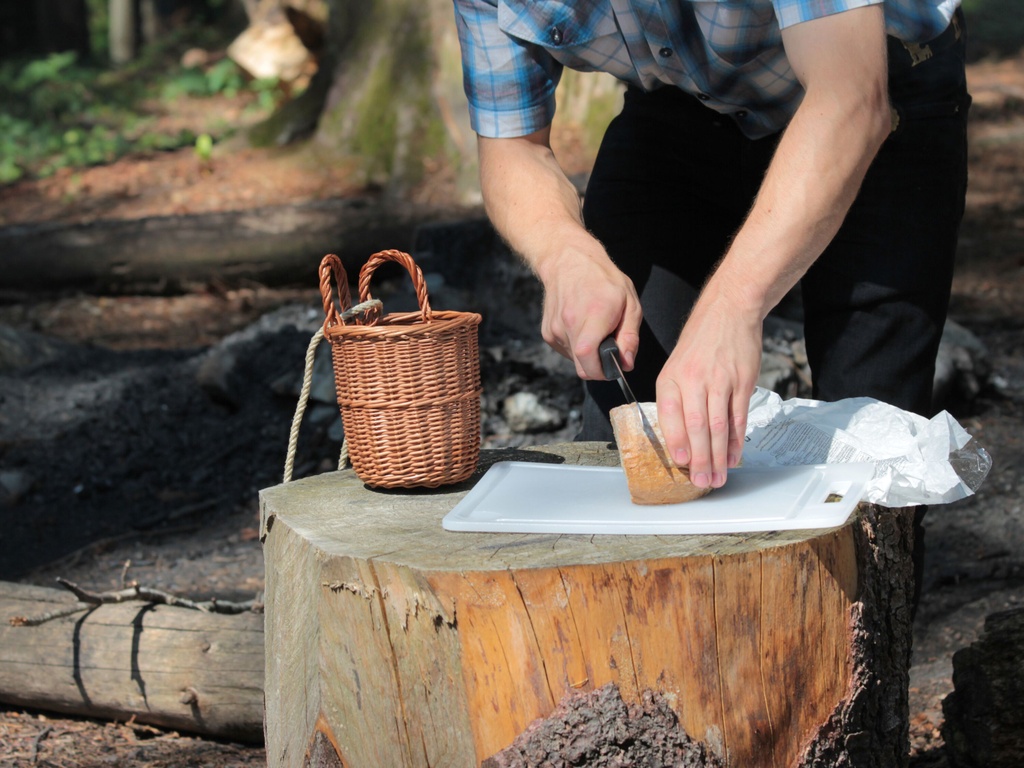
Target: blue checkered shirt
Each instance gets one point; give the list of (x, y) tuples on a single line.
[(728, 53)]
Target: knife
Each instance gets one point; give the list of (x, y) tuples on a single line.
[(612, 368)]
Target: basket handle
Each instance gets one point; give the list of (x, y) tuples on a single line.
[(418, 281), (330, 267)]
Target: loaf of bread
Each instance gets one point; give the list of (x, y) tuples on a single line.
[(651, 477)]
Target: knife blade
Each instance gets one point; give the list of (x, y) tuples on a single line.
[(612, 368)]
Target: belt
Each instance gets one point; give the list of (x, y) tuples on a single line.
[(918, 53)]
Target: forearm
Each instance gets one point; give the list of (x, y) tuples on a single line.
[(815, 175), (811, 183), (532, 204), (537, 211)]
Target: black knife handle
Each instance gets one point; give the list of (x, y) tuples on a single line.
[(607, 348)]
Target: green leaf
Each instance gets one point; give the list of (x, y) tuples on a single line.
[(204, 147)]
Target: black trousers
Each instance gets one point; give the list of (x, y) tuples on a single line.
[(674, 180)]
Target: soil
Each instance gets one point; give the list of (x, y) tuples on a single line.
[(132, 451)]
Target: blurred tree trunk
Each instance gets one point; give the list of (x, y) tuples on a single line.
[(136, 23), (132, 24), (123, 36), (387, 102)]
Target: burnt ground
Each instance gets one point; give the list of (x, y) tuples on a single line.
[(141, 428)]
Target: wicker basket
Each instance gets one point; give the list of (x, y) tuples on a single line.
[(408, 383)]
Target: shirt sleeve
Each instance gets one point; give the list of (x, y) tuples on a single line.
[(509, 83), (790, 12)]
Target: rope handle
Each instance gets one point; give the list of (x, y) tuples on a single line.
[(418, 281), (300, 410)]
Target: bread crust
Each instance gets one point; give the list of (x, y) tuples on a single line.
[(651, 477)]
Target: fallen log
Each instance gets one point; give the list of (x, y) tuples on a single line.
[(984, 715), (274, 245), (393, 642), (167, 666)]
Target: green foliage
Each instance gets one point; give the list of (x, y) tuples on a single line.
[(204, 147), (56, 112), (99, 25), (223, 77)]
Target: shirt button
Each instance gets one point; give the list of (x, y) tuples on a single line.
[(703, 97), (556, 36), (665, 52)]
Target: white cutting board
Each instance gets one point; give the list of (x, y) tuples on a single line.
[(528, 497)]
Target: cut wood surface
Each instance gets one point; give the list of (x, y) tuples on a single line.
[(401, 644), (167, 666)]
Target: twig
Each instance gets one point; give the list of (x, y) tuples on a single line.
[(88, 599), (157, 596), (42, 618), (141, 727), (37, 741)]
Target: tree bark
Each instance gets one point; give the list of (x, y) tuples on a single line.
[(393, 642), (984, 716), (388, 103), (166, 666)]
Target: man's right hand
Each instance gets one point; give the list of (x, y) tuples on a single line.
[(586, 299), (536, 209)]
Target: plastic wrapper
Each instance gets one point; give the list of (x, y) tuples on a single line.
[(917, 460)]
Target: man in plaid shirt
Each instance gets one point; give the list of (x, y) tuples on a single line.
[(762, 143)]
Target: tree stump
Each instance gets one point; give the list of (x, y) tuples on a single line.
[(391, 642)]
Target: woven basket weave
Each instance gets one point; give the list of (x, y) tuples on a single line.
[(408, 383)]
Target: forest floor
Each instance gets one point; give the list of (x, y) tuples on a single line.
[(203, 539)]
